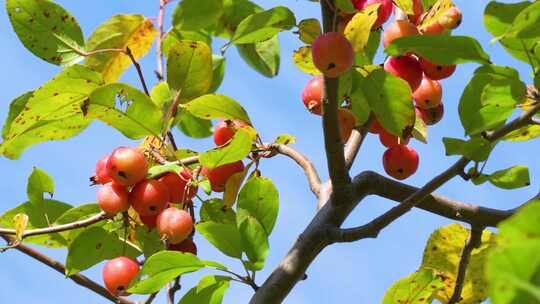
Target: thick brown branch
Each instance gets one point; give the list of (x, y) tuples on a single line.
[(77, 278), (474, 241), (58, 228)]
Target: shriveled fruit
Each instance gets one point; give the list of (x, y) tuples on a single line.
[(383, 13), (347, 122), (433, 115), (219, 176), (174, 224), (149, 197), (389, 140), (127, 166), (113, 198), (397, 29), (332, 54), (405, 67), (436, 71), (186, 245), (400, 161), (225, 130), (429, 94), (313, 94), (177, 184), (102, 175), (118, 274)]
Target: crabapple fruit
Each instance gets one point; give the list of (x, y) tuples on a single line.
[(433, 115), (436, 71), (149, 197), (347, 122), (174, 224), (102, 175), (405, 67), (113, 198), (219, 176), (225, 130), (313, 94), (149, 220), (434, 28), (179, 191), (451, 19), (400, 161), (397, 29), (429, 94), (118, 273), (384, 12), (127, 166), (332, 54), (186, 245), (389, 140)]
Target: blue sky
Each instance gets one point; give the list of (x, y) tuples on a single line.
[(359, 272)]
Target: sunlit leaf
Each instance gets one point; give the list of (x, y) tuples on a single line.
[(417, 288), (263, 25), (359, 27)]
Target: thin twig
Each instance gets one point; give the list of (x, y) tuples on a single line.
[(151, 298), (159, 51), (172, 290), (139, 70)]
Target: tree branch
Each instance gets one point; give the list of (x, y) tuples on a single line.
[(172, 290), (355, 143), (474, 241), (77, 278), (59, 228), (159, 52), (139, 70)]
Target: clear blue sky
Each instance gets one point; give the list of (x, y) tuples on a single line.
[(359, 272)]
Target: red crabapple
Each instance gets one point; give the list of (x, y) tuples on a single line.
[(174, 224), (436, 71), (225, 130), (313, 94), (405, 67), (400, 161), (433, 29), (149, 220), (219, 176), (127, 166), (429, 94), (113, 198), (450, 19), (332, 54), (102, 175), (389, 140), (118, 274), (179, 191), (186, 245), (397, 29), (384, 12), (433, 115), (149, 197)]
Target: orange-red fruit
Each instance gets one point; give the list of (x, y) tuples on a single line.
[(429, 94), (219, 176), (384, 12), (127, 166), (436, 71), (179, 191), (118, 273), (390, 140), (102, 175), (417, 10), (332, 54), (149, 220), (375, 127), (399, 28), (433, 115), (113, 198), (451, 19), (313, 94), (347, 121), (405, 67), (400, 161), (433, 29), (186, 245), (149, 197), (175, 224), (225, 130)]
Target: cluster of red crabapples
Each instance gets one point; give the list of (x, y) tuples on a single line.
[(333, 55)]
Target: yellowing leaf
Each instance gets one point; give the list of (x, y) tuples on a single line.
[(436, 11), (119, 32), (417, 288), (20, 221), (304, 61), (232, 187), (358, 29), (443, 253)]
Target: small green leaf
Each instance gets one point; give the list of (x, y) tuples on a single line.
[(254, 239), (15, 108), (358, 29), (440, 49), (161, 95), (309, 29), (173, 36), (159, 170), (303, 60), (366, 57), (238, 148), (224, 236), (259, 198), (192, 15), (218, 71), (95, 245), (193, 126), (417, 288), (285, 139), (214, 210), (126, 109), (149, 240), (210, 290), (39, 183), (212, 106), (262, 56), (420, 131), (476, 149), (524, 133), (47, 30), (511, 178), (264, 25)]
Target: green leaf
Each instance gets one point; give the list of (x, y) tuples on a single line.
[(443, 253), (192, 15), (417, 288), (358, 29), (39, 183), (253, 238), (476, 149), (15, 108), (212, 106), (309, 29), (193, 126), (513, 266), (262, 56), (161, 95), (359, 103), (511, 178), (420, 131), (210, 290), (238, 148), (77, 214), (173, 36), (218, 72), (214, 210), (303, 60), (527, 23), (93, 246), (234, 11), (135, 32), (159, 170), (163, 267), (260, 199), (263, 25), (149, 240), (47, 30), (189, 68), (53, 209), (406, 6), (345, 5), (126, 109), (223, 236), (390, 98), (440, 49), (524, 133), (285, 139), (366, 57)]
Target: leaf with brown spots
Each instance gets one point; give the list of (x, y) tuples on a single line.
[(119, 32), (358, 29), (303, 60), (435, 12), (417, 288)]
